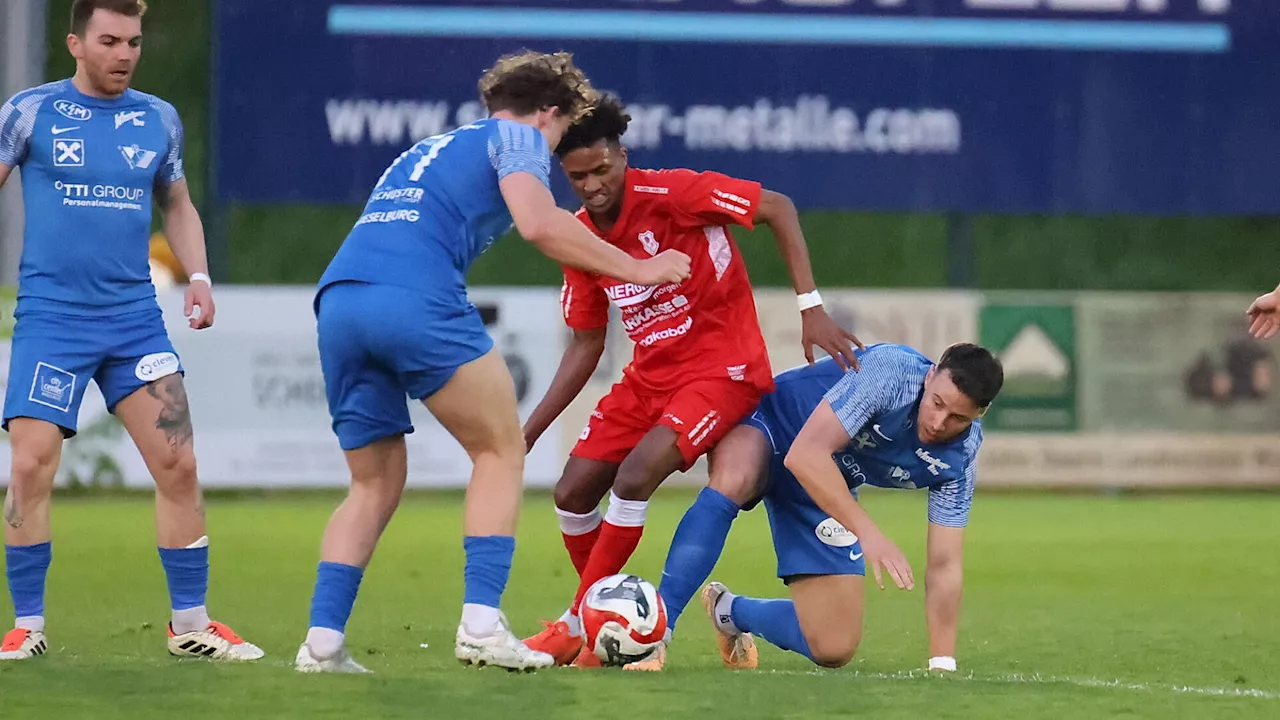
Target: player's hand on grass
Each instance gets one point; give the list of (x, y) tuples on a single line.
[(1265, 314), (668, 266), (817, 328), (883, 556), (199, 295)]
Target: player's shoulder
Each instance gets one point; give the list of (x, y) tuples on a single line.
[(513, 135), (895, 358), (33, 97), (165, 109), (658, 182)]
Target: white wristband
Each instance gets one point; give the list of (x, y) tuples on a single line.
[(200, 277), (942, 662), (808, 300)]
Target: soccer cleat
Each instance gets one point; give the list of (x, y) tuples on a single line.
[(656, 661), (339, 662), (586, 660), (216, 642), (556, 641), (738, 651), (502, 649), (23, 644)]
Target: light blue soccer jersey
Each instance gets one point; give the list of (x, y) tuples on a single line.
[(88, 169), (877, 406), (438, 207)]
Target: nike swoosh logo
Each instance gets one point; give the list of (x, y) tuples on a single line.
[(855, 556), (58, 131), (876, 427)]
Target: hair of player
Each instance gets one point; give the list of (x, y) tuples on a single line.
[(82, 10), (607, 121), (975, 371), (526, 82)]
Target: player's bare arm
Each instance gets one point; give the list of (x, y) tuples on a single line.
[(185, 233), (561, 237), (5, 171), (943, 588), (1264, 312), (576, 365), (810, 460), (817, 328)]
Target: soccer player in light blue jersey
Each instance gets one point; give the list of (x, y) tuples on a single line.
[(94, 155), (901, 421), (394, 321)]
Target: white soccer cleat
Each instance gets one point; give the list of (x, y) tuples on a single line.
[(216, 642), (502, 649), (23, 644), (339, 662)]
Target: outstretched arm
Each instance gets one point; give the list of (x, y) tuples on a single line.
[(816, 327), (943, 589)]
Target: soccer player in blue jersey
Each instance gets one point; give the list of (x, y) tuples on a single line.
[(394, 320), (901, 421), (94, 155)]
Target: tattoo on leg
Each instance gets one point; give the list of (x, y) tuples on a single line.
[(11, 515), (175, 414)]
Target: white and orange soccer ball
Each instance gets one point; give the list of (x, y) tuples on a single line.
[(623, 619)]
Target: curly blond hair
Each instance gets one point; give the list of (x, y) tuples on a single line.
[(526, 82)]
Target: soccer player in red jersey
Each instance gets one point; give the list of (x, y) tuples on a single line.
[(700, 363)]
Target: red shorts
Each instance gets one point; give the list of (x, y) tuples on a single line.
[(701, 412)]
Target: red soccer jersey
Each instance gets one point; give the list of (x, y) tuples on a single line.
[(705, 327)]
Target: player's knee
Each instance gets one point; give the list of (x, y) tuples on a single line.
[(833, 650), (575, 495), (636, 485), (737, 486), (34, 463), (175, 473)]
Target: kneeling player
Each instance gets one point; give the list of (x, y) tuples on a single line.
[(899, 422), (700, 363)]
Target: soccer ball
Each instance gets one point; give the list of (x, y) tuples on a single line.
[(623, 619)]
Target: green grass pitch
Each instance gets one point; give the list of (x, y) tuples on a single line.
[(1075, 607)]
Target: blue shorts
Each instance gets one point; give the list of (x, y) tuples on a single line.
[(52, 357), (381, 344), (806, 540)]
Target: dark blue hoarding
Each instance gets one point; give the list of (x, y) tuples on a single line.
[(1089, 106)]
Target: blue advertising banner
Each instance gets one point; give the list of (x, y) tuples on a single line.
[(1074, 106)]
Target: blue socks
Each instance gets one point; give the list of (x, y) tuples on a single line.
[(26, 567), (335, 595), (187, 572), (487, 569), (773, 620), (695, 549)]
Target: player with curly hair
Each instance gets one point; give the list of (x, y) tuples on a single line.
[(700, 363)]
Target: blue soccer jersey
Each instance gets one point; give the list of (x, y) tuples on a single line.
[(392, 309), (438, 207), (88, 168), (877, 406)]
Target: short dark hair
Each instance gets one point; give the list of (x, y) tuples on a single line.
[(526, 82), (608, 121), (82, 10), (975, 371)]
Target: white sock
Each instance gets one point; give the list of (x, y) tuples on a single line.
[(190, 620), (626, 513), (480, 620), (34, 623), (575, 524), (575, 625), (324, 642), (724, 614)]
